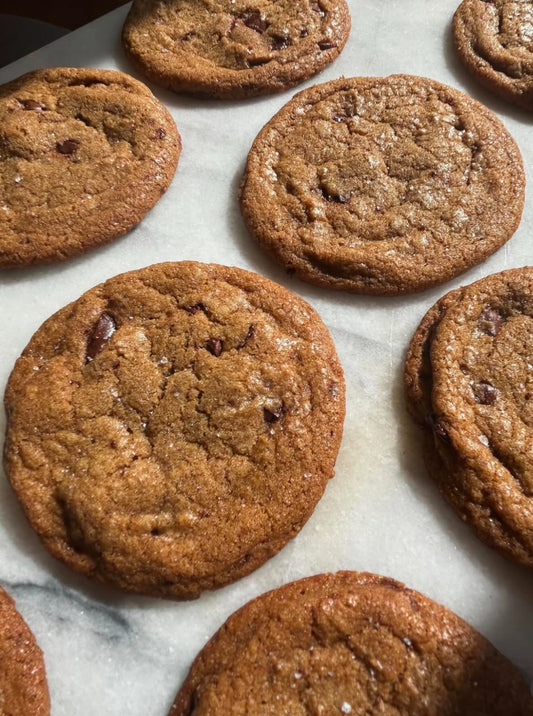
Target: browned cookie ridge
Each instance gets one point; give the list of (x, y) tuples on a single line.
[(174, 427), (469, 382), (234, 48), (382, 185), (84, 154), (23, 687), (350, 643), (494, 39)]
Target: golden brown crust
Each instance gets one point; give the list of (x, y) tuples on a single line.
[(469, 383), (23, 687), (493, 39), (350, 643), (84, 154), (174, 427), (382, 185), (234, 49)]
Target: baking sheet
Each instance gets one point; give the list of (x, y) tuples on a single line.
[(111, 653)]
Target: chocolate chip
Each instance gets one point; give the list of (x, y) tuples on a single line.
[(252, 62), (280, 42), (438, 428), (102, 331), (31, 104), (390, 584), (338, 198), (272, 416), (325, 45), (484, 393), (160, 133), (197, 307), (249, 335), (491, 321), (69, 146), (254, 20), (304, 33), (315, 7), (214, 346)]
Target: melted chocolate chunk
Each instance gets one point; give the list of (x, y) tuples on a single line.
[(325, 45), (390, 584), (484, 393), (280, 42), (254, 20), (491, 321), (315, 7), (438, 428), (102, 331), (214, 346), (69, 146), (338, 198), (251, 62), (249, 335), (272, 416), (197, 307), (31, 104)]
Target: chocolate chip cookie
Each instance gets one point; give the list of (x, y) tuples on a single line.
[(382, 185), (234, 48), (494, 39), (23, 688), (84, 154), (469, 383), (174, 427), (350, 643)]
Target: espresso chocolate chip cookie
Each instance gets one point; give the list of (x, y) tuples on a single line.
[(84, 154), (494, 39), (469, 382), (350, 643), (234, 48), (382, 185), (23, 688), (174, 427)]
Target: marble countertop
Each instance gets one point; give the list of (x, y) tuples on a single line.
[(114, 654)]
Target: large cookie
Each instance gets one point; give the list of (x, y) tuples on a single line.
[(174, 427), (84, 154), (23, 688), (382, 185), (234, 48), (494, 39), (469, 383), (350, 643)]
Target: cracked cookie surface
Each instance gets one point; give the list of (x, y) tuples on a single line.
[(23, 687), (494, 39), (350, 643), (233, 48), (84, 154), (174, 427), (469, 382), (382, 185)]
